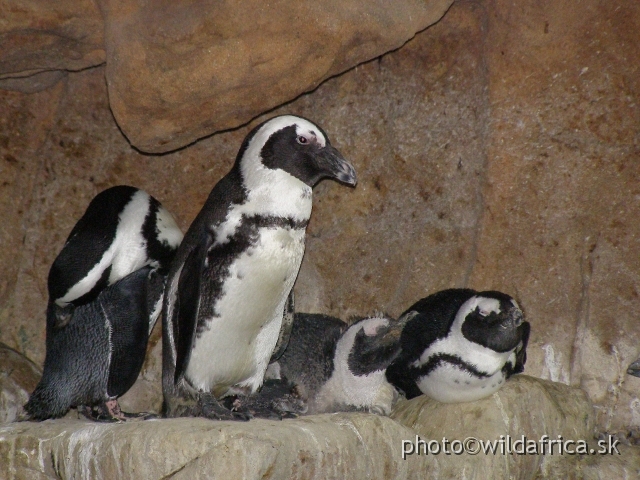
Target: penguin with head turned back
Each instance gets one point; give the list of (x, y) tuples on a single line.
[(460, 345), (329, 366), (105, 295), (228, 287)]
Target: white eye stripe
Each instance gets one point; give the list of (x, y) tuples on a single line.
[(487, 306)]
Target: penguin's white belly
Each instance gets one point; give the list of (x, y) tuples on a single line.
[(235, 347), (343, 388), (450, 384)]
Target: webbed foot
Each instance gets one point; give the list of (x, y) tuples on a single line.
[(110, 412)]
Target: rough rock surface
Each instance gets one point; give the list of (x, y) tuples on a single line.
[(18, 377), (40, 39), (562, 191), (336, 446), (499, 149), (559, 410), (179, 71)]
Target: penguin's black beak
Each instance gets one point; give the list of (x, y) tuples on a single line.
[(333, 165), (516, 317)]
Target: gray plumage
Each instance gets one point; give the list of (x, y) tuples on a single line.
[(330, 367)]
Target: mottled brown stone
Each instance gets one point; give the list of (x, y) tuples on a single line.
[(18, 377), (180, 71), (38, 38)]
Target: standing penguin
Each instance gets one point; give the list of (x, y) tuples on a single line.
[(230, 281), (460, 345), (105, 295), (331, 367)]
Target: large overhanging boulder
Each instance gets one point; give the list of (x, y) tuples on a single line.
[(178, 71)]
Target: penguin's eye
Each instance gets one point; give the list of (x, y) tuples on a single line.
[(483, 313), (302, 140)]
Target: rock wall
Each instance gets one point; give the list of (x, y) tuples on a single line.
[(500, 148)]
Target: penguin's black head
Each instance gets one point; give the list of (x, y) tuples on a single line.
[(493, 320), (298, 147)]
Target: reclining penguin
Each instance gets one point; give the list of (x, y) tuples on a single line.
[(329, 366), (459, 345)]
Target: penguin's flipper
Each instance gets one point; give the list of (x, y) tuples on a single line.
[(124, 304), (521, 352), (375, 350), (285, 330), (403, 376), (187, 304)]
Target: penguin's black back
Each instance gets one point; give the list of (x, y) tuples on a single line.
[(308, 359), (436, 314), (87, 242), (99, 353), (76, 365)]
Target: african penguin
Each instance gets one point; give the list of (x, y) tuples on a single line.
[(231, 279), (331, 367), (460, 345), (105, 295)]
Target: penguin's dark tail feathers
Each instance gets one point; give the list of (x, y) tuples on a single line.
[(45, 402)]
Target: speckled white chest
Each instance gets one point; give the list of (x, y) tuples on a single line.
[(450, 384), (235, 348)]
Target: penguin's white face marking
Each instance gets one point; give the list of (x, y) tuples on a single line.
[(515, 304), (371, 325), (270, 192), (256, 175), (484, 305), (343, 387), (235, 350), (168, 231), (126, 254), (455, 343)]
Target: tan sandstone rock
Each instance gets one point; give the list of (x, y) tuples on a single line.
[(332, 446), (525, 409), (41, 39), (179, 71), (18, 377)]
